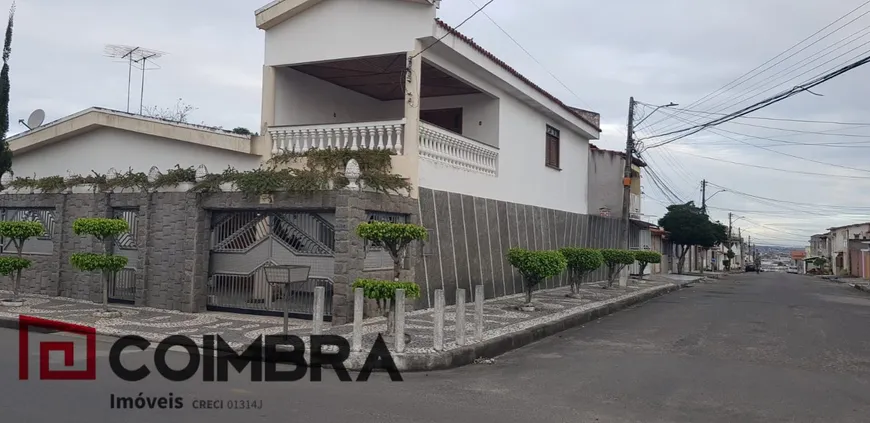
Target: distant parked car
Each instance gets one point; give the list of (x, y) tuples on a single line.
[(792, 269), (750, 267)]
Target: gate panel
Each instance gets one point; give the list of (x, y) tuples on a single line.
[(122, 286), (244, 242)]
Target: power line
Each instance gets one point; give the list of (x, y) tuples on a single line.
[(479, 9), (785, 201), (773, 168), (731, 84), (762, 104), (528, 53), (776, 119)]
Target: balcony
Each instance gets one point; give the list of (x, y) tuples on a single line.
[(442, 146), (436, 144), (381, 135)]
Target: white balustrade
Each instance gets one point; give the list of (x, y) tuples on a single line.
[(455, 150), (382, 135)]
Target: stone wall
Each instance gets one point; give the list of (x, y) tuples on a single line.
[(469, 238)]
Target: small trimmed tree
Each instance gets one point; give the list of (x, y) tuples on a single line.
[(384, 293), (616, 260), (645, 257), (395, 239), (535, 266), (18, 232), (392, 237), (727, 264), (580, 262), (105, 230)]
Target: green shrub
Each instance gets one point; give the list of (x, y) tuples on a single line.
[(616, 260), (393, 237), (20, 231), (645, 257), (535, 266), (581, 262), (100, 227), (90, 262), (10, 265)]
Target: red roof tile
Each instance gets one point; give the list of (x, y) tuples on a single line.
[(582, 114)]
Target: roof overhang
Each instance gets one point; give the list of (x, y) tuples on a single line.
[(95, 118), (280, 11)]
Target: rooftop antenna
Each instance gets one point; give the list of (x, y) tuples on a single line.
[(137, 57), (34, 120)]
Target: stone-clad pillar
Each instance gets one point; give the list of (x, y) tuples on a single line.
[(349, 253)]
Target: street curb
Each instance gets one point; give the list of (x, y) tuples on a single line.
[(468, 354), (497, 346), (860, 287)]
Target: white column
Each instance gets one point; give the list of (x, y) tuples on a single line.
[(358, 304), (478, 313), (400, 320), (438, 336), (317, 324), (460, 317)]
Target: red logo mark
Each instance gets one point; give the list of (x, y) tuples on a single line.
[(66, 347)]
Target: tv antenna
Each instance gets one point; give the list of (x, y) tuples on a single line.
[(34, 120), (136, 57)]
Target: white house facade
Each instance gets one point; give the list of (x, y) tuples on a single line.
[(459, 119)]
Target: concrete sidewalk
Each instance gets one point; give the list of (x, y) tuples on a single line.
[(505, 327)]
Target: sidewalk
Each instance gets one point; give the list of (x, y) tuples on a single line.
[(506, 327)]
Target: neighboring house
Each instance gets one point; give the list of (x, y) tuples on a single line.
[(846, 243), (606, 173), (98, 139), (468, 124)]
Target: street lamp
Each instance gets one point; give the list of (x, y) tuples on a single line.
[(671, 104)]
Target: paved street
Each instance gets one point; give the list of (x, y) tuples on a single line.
[(750, 348)]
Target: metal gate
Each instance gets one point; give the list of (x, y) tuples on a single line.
[(122, 286), (243, 242)]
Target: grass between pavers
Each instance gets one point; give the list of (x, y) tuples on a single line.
[(495, 342)]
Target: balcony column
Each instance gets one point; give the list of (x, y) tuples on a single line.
[(408, 164), (264, 145)]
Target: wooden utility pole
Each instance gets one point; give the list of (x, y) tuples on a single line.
[(729, 229), (704, 196), (626, 177)]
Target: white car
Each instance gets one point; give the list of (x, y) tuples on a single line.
[(792, 269)]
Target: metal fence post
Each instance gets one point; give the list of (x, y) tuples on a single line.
[(460, 317), (319, 295), (400, 320), (438, 336), (358, 304), (478, 312)]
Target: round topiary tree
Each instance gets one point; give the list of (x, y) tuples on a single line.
[(616, 260), (18, 232), (727, 264), (105, 230), (535, 266), (395, 239), (644, 257), (581, 262)]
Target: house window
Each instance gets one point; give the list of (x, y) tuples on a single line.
[(552, 147)]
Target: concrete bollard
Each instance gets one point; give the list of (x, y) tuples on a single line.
[(623, 277), (358, 306), (400, 320), (478, 313), (460, 317), (317, 324), (438, 336)]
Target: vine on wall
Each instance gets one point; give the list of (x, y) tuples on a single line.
[(322, 170)]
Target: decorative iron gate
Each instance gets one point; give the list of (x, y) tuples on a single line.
[(243, 242), (122, 286)]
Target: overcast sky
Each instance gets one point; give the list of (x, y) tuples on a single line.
[(604, 52)]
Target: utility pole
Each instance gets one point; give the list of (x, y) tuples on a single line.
[(729, 229), (704, 196), (626, 177)]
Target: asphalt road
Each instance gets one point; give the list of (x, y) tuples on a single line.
[(752, 348)]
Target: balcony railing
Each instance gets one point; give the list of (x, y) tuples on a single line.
[(446, 147), (382, 135)]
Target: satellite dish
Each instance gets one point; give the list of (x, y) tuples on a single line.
[(36, 118)]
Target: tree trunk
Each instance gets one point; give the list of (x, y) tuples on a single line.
[(529, 293), (682, 260), (642, 267), (16, 286), (611, 275), (391, 319), (107, 281)]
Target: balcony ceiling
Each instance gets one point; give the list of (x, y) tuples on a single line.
[(380, 77)]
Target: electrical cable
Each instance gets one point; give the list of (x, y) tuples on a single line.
[(479, 9), (773, 168)]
